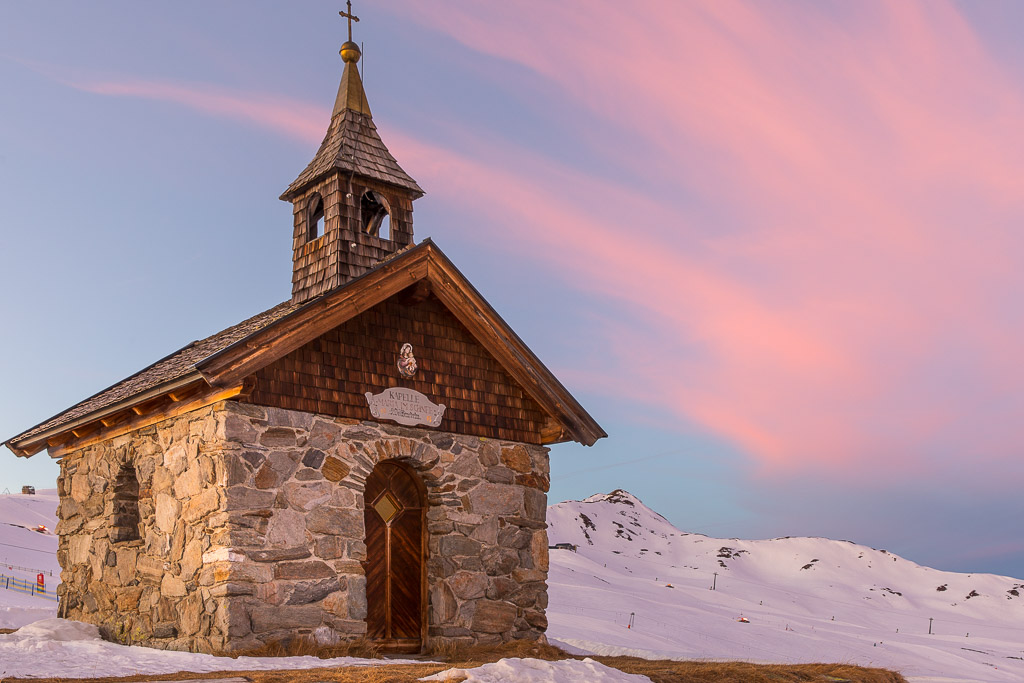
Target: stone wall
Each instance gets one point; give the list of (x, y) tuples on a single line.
[(158, 587), (251, 530), (294, 484)]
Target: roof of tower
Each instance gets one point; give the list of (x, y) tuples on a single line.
[(352, 143)]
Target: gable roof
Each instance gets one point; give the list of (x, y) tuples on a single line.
[(228, 357)]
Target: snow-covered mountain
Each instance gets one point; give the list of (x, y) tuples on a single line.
[(803, 599)]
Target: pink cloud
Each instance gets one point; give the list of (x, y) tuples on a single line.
[(865, 162), (288, 117)]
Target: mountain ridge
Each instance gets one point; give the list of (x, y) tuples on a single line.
[(802, 598)]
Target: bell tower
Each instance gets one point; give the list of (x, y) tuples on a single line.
[(353, 202)]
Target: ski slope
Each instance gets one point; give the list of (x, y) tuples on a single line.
[(25, 553), (805, 599)]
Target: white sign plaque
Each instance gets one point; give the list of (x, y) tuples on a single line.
[(405, 406)]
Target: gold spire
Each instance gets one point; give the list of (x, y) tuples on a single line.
[(350, 93)]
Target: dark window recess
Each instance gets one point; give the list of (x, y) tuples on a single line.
[(373, 210), (126, 506), (315, 218)]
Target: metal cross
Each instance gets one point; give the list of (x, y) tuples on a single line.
[(351, 17)]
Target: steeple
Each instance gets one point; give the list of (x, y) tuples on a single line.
[(353, 202), (350, 93)]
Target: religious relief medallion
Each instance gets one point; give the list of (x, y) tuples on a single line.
[(406, 361), (405, 406)]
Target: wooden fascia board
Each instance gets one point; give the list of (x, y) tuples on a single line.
[(24, 452), (231, 365), (484, 323), (510, 358), (38, 442)]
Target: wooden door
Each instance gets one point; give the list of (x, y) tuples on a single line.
[(395, 557)]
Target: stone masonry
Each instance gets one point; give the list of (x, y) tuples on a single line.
[(159, 588), (252, 530)]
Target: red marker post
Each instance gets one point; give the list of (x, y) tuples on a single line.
[(40, 583)]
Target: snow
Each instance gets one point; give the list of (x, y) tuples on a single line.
[(56, 630), (806, 599), (540, 671), (58, 647)]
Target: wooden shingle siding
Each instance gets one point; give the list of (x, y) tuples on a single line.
[(344, 251), (331, 374)]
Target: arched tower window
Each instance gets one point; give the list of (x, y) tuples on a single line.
[(375, 214), (315, 217), (125, 519)]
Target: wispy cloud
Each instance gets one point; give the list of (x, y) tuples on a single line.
[(288, 117), (849, 300)]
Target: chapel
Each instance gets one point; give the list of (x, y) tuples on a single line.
[(367, 459)]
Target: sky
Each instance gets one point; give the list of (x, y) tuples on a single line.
[(772, 247)]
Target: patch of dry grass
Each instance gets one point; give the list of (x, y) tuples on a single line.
[(662, 671), (659, 671), (459, 656)]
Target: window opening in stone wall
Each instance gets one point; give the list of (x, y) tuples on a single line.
[(376, 217), (126, 506), (315, 218)]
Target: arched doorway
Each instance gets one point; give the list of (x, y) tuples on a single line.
[(396, 595)]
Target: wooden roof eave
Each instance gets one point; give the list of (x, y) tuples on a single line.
[(291, 193), (422, 262), (183, 389)]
